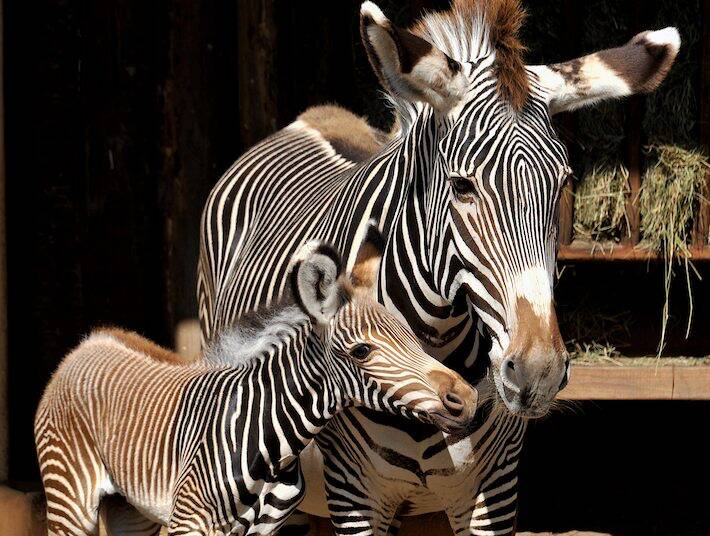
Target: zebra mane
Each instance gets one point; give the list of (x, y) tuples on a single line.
[(255, 333)]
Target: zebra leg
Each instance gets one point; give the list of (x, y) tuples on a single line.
[(70, 511), (122, 519), (492, 511), (297, 524), (355, 512)]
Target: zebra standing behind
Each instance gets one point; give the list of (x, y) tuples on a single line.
[(466, 193), (212, 448)]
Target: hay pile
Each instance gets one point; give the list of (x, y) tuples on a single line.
[(600, 202), (670, 197)]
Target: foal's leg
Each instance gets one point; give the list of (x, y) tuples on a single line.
[(72, 501), (122, 519)]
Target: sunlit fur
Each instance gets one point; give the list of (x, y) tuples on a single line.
[(213, 446)]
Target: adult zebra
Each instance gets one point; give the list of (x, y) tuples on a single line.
[(466, 193)]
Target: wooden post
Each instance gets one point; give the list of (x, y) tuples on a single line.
[(3, 301), (571, 18), (256, 42), (633, 138), (701, 230)]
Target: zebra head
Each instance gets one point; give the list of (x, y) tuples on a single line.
[(493, 167), (376, 361)]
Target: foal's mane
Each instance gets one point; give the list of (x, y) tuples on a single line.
[(256, 332)]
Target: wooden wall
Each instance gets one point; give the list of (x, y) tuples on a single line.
[(120, 116)]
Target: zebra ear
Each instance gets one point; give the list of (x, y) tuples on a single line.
[(637, 67), (316, 283), (409, 66), (367, 262)]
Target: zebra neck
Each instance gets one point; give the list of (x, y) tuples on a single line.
[(411, 272), (292, 396)]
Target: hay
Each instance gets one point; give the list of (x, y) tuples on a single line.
[(670, 197), (600, 203)]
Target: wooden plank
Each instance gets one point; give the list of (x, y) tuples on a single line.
[(691, 383), (701, 230), (638, 383), (619, 383), (585, 251)]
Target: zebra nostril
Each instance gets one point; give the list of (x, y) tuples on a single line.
[(510, 375), (453, 403)]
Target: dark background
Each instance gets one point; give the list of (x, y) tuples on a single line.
[(122, 114)]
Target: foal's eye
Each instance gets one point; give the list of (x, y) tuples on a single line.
[(361, 351), (463, 188)]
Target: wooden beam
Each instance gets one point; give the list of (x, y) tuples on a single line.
[(638, 383), (633, 140), (619, 383), (701, 230), (691, 383), (586, 251), (571, 19)]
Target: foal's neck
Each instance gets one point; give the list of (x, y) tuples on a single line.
[(286, 385)]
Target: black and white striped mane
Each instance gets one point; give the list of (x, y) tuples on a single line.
[(254, 333)]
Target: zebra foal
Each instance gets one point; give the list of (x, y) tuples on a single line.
[(212, 448)]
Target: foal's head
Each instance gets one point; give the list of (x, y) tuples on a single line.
[(372, 356)]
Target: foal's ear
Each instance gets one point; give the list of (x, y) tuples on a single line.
[(408, 65), (316, 283), (637, 67), (367, 262)]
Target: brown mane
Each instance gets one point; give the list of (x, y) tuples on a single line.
[(503, 20)]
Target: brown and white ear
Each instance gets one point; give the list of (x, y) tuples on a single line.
[(408, 65), (316, 283), (637, 67), (367, 262)]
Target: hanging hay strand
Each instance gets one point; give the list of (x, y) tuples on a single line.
[(670, 199)]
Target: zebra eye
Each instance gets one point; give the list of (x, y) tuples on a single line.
[(463, 188), (361, 351)]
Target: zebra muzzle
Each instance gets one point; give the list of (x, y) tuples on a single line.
[(458, 401)]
